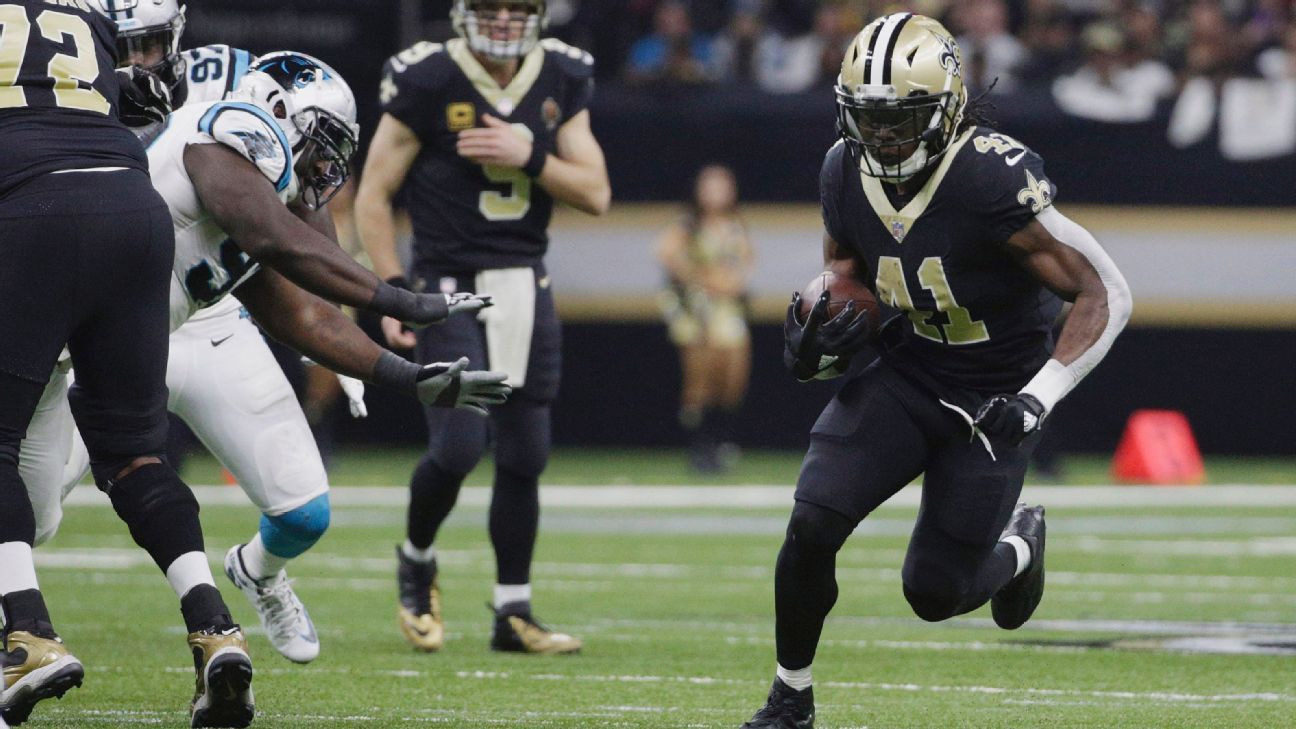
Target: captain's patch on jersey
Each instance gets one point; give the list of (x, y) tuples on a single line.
[(461, 115)]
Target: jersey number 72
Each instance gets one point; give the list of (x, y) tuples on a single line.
[(68, 72)]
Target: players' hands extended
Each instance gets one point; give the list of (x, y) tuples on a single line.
[(801, 352), (144, 99), (451, 385), (354, 390), (1010, 418), (436, 308), (497, 143), (464, 302)]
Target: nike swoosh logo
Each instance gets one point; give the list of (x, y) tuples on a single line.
[(222, 340), (1014, 160)]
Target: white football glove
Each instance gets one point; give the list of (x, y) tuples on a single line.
[(355, 391), (447, 384)]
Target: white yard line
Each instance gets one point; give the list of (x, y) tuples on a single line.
[(118, 558), (1152, 696), (768, 497)]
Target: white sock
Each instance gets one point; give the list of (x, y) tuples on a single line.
[(188, 571), (1023, 552), (17, 571), (415, 554), (505, 594), (258, 561), (798, 680)]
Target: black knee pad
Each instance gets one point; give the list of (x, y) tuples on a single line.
[(932, 608), (160, 511), (815, 529), (18, 523), (523, 437), (524, 460), (933, 592)]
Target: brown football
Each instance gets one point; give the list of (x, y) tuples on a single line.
[(841, 289)]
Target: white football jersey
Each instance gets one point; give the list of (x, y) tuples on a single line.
[(212, 73), (208, 265)]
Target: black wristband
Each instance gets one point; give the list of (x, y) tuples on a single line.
[(409, 307), (400, 282), (396, 372), (536, 163), (392, 301)]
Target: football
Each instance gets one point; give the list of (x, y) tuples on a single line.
[(841, 288)]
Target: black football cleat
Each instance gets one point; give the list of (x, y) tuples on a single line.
[(786, 708), (1016, 601)]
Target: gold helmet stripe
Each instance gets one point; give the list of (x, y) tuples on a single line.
[(886, 39)]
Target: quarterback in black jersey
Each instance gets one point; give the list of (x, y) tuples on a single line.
[(952, 225), (484, 133), (87, 246)]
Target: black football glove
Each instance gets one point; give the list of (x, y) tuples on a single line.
[(801, 353), (846, 333), (144, 99), (1010, 418)]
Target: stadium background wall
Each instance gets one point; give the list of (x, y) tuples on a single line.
[(620, 385)]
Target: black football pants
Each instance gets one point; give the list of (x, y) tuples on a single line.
[(85, 260), (519, 430), (877, 435)]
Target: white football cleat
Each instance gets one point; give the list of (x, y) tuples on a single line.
[(283, 616)]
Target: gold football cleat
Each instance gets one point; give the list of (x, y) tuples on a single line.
[(35, 669), (223, 679), (520, 633), (419, 615)]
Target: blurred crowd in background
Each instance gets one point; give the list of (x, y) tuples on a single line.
[(1108, 60), (792, 45)]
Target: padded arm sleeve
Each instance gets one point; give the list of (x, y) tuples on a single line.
[(1055, 380)]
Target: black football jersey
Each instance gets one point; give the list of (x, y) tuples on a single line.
[(975, 321), (58, 92), (466, 216)]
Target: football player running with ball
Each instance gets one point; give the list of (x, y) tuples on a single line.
[(486, 131), (952, 224)]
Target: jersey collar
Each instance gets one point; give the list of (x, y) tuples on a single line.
[(506, 99), (900, 222)]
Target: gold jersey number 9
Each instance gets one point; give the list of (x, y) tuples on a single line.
[(66, 70), (514, 204)]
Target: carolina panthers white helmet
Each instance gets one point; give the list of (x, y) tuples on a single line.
[(479, 23), (316, 109), (148, 35)]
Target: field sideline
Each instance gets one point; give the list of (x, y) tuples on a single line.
[(1166, 607)]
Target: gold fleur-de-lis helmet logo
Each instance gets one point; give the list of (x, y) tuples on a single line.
[(949, 57)]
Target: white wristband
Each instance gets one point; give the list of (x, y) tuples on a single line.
[(1051, 384)]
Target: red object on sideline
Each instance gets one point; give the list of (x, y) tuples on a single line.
[(1158, 448)]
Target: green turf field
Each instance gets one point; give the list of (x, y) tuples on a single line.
[(1161, 615)]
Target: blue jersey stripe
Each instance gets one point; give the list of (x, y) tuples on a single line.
[(209, 119), (242, 61)]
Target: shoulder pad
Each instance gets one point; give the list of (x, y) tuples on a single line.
[(253, 133), (411, 72), (571, 59), (413, 56)]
